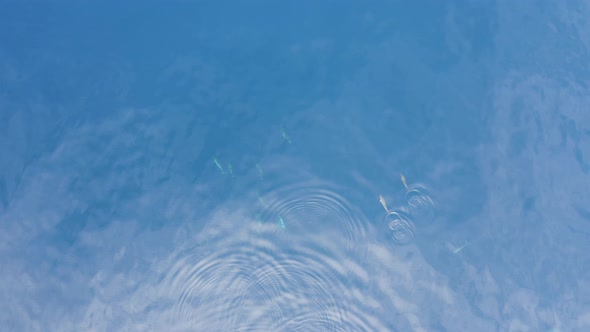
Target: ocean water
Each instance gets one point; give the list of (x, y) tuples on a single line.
[(294, 166)]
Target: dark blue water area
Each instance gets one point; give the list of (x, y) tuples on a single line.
[(303, 166)]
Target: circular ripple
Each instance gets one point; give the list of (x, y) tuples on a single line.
[(313, 290), (211, 290), (310, 207), (401, 227), (250, 281), (420, 204)]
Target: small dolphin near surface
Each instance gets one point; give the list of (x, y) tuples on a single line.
[(383, 203), (261, 200), (281, 222), (218, 164), (285, 136), (404, 181), (260, 173), (453, 249)]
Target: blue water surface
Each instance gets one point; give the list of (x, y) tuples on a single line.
[(294, 166)]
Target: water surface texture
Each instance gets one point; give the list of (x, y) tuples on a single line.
[(295, 166)]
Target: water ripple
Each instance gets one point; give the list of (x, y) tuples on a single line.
[(419, 203), (260, 277), (310, 206), (401, 227)]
